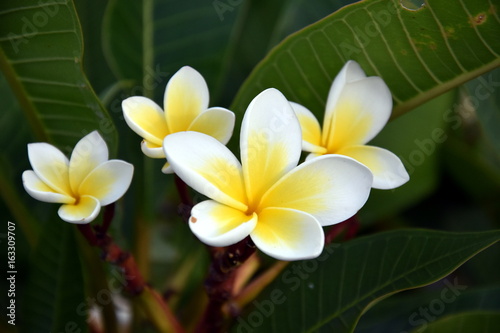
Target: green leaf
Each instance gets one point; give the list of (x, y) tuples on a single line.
[(329, 294), (420, 135), (55, 291), (410, 309), (148, 41), (41, 57), (14, 136), (90, 14), (485, 98), (419, 53), (477, 322)]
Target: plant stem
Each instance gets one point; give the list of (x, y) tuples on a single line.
[(254, 288), (186, 201), (219, 283), (351, 226), (156, 308)]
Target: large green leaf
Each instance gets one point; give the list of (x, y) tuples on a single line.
[(419, 137), (41, 57), (477, 322), (55, 296), (419, 53), (414, 308), (14, 136), (330, 293), (148, 41)]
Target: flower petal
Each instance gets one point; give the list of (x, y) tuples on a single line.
[(84, 211), (108, 182), (40, 191), (186, 96), (145, 118), (312, 155), (362, 110), (349, 73), (51, 166), (311, 130), (216, 122), (207, 166), (388, 170), (332, 188), (288, 234), (270, 142), (152, 150), (88, 153), (220, 225), (167, 168)]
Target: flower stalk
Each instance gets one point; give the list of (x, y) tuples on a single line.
[(156, 308), (219, 284)]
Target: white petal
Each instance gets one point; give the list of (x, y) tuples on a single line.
[(362, 110), (84, 211), (151, 150), (186, 96), (216, 122), (167, 168), (288, 234), (108, 182), (220, 225), (88, 153), (270, 142), (349, 73), (312, 155), (145, 118), (332, 188), (311, 131), (40, 191), (51, 166), (207, 166), (388, 170)]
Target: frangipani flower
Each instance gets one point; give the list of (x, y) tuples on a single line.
[(186, 109), (357, 109), (82, 184), (281, 206)]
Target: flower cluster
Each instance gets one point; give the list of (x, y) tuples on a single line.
[(280, 204)]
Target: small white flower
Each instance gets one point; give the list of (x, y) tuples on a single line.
[(186, 109), (357, 109), (82, 184)]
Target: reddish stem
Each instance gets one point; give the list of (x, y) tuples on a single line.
[(112, 253), (219, 283), (351, 226), (186, 201), (88, 233), (109, 213)]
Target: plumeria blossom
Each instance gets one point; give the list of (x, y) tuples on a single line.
[(84, 183), (186, 109), (280, 205), (357, 109)]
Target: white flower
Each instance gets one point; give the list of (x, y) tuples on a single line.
[(281, 206), (186, 109), (357, 109), (82, 184)]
